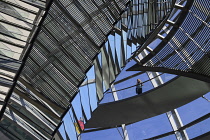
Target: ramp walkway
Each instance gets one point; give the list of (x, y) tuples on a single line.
[(166, 97)]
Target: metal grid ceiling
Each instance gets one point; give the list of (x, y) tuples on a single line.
[(70, 38)]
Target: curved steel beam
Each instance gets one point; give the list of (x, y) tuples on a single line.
[(173, 94), (190, 74), (174, 29)]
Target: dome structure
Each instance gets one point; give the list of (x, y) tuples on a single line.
[(68, 69)]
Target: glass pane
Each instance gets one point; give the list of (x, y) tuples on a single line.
[(84, 92), (194, 110), (77, 106), (149, 128), (70, 129), (166, 77), (125, 73), (109, 134), (125, 93), (93, 96), (107, 98), (199, 129)]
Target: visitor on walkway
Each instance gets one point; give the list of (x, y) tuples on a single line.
[(81, 123), (139, 85)]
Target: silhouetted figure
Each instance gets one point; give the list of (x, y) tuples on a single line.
[(139, 86)]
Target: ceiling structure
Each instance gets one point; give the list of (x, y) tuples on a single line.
[(47, 47), (182, 46), (173, 94), (53, 50)]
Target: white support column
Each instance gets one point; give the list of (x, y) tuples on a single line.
[(176, 123), (173, 115), (125, 132)]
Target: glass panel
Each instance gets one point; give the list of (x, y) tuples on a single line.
[(199, 129), (155, 43), (167, 77), (149, 128), (93, 96), (77, 106), (85, 99), (195, 110), (125, 73), (132, 83), (108, 134), (62, 132), (174, 16), (91, 73), (69, 125), (108, 97)]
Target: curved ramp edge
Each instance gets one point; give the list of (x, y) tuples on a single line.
[(166, 97)]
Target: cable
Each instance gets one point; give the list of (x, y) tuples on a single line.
[(205, 98), (120, 133)]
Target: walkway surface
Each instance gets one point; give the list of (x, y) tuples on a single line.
[(166, 97)]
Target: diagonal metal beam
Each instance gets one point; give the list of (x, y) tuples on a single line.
[(11, 43), (35, 4), (19, 6), (171, 71), (16, 25), (24, 61), (41, 96), (32, 112), (5, 82), (37, 104), (14, 125), (31, 122), (10, 133)]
